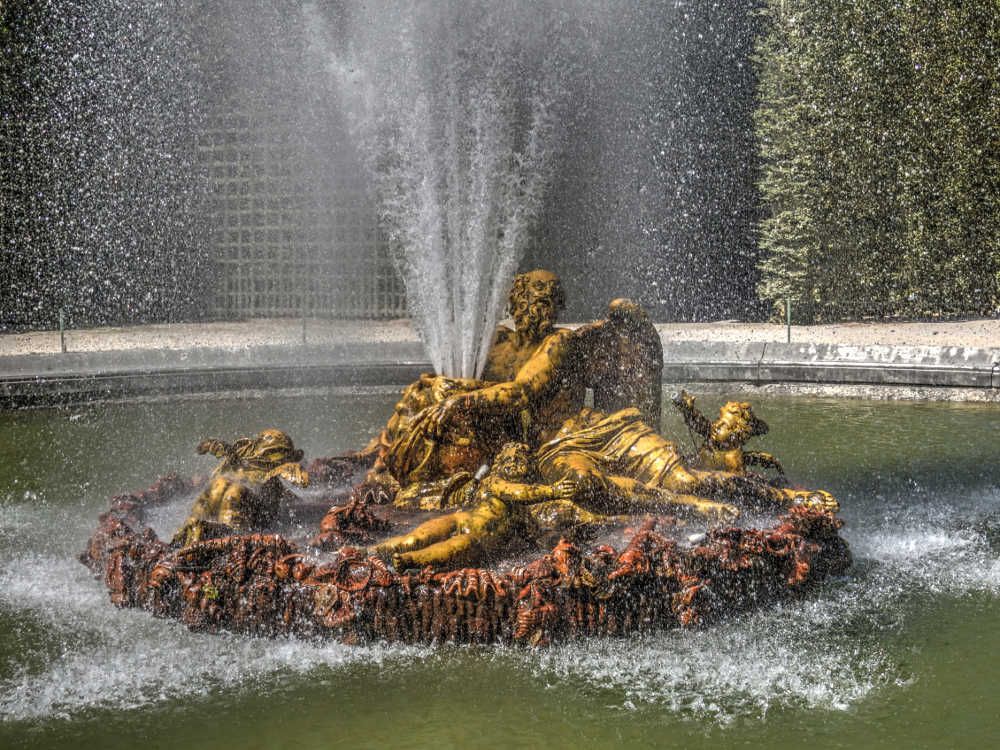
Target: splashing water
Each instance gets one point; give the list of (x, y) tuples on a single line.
[(825, 652), (457, 107), (926, 542)]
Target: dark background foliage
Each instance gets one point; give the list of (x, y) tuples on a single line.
[(878, 125), (721, 158)]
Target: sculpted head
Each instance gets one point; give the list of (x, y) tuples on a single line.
[(536, 299), (513, 462), (268, 454), (736, 424), (267, 450)]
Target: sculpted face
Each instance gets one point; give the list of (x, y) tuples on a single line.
[(536, 299), (736, 424), (513, 461), (269, 449)]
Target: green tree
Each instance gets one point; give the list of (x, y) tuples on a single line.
[(786, 123), (877, 125)]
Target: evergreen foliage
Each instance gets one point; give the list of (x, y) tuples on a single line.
[(878, 126)]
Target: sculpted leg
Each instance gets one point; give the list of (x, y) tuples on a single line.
[(230, 506), (654, 499), (614, 493), (555, 519), (561, 514), (212, 511), (748, 489), (425, 535), (452, 551), (620, 461)]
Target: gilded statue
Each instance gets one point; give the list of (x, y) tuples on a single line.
[(244, 493), (558, 441), (505, 501), (724, 438), (533, 392)]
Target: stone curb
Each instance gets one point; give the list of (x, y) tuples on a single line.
[(762, 363), (47, 379)]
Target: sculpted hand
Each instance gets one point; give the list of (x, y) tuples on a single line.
[(434, 420), (725, 513), (683, 400), (217, 448), (292, 472), (564, 489)]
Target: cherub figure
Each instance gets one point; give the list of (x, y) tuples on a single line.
[(505, 500), (508, 501), (726, 436), (245, 491)]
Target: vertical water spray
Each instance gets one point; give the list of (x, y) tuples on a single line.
[(456, 106)]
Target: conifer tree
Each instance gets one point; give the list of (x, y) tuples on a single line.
[(784, 125), (877, 125)]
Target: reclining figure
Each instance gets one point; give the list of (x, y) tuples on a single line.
[(506, 504), (537, 376), (509, 502)]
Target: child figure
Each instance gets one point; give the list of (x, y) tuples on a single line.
[(245, 491), (505, 501), (726, 436)]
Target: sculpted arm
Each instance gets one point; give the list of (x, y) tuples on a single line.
[(693, 418), (531, 382), (520, 492), (760, 458)]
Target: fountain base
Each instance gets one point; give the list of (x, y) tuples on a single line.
[(268, 585)]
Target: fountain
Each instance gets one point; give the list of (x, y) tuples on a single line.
[(460, 126), (502, 466), (308, 599), (498, 456)]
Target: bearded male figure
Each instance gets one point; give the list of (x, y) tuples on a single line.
[(537, 379), (536, 298), (621, 371)]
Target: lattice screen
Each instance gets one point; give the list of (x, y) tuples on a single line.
[(286, 242)]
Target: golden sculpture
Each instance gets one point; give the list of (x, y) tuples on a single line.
[(516, 457), (505, 501), (538, 377), (726, 436), (244, 493), (519, 450)]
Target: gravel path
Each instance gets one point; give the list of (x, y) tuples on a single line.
[(983, 333), (227, 335)]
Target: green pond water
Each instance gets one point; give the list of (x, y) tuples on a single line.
[(904, 651)]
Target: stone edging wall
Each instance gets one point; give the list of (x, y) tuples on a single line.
[(894, 371)]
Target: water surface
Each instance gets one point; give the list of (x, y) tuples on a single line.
[(902, 652)]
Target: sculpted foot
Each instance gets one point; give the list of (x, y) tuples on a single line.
[(818, 499), (724, 513)]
